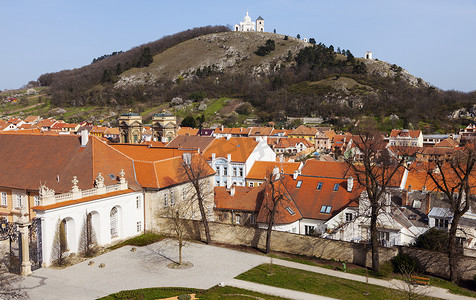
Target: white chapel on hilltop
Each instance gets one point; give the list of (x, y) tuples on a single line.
[(247, 25)]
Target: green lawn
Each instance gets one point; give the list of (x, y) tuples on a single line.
[(214, 293), (215, 106), (318, 284), (141, 240)]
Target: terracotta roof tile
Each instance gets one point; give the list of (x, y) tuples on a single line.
[(334, 169), (239, 148), (191, 141), (304, 130), (405, 133), (261, 131), (244, 199), (187, 131), (261, 169)]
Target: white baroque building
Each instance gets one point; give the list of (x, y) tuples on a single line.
[(247, 25)]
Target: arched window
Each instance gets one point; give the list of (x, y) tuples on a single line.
[(114, 221)]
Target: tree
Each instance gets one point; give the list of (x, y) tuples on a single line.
[(194, 169), (145, 58), (60, 244), (189, 121), (298, 36), (286, 38), (177, 212), (455, 179), (289, 58), (88, 243), (312, 41), (338, 50), (374, 169), (274, 31), (275, 199)]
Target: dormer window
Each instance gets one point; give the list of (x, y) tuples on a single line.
[(319, 186), (290, 211), (325, 209), (298, 185)]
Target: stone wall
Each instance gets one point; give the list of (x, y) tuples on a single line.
[(434, 263)]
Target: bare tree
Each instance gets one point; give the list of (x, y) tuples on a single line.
[(456, 179), (88, 243), (407, 284), (374, 169), (275, 197), (60, 244), (177, 213), (195, 170)]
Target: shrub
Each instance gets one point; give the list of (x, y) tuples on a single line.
[(244, 109), (404, 263), (433, 239), (386, 269), (197, 96)]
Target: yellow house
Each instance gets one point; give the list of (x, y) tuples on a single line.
[(308, 133)]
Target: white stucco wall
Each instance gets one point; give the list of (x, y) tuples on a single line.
[(128, 217)]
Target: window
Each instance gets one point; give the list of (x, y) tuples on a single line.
[(309, 230), (336, 187), (172, 198), (319, 186), (325, 209), (442, 223), (384, 236), (19, 202), (460, 240), (238, 219), (252, 219), (36, 200), (241, 172), (416, 204), (348, 217), (225, 171), (251, 184), (139, 226), (114, 222), (166, 199), (138, 202), (4, 199), (298, 185), (235, 171), (290, 211)]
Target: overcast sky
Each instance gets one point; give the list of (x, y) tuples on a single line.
[(432, 39)]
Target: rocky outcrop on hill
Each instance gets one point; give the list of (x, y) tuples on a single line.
[(384, 69)]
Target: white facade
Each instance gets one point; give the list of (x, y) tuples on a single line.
[(291, 227), (113, 219), (248, 25)]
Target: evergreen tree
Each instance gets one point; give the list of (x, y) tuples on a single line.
[(118, 69), (274, 31), (298, 36), (189, 121), (312, 41), (338, 50), (146, 58)]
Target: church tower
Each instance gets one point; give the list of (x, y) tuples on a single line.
[(164, 127), (130, 128), (260, 24)]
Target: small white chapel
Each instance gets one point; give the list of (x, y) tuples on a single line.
[(247, 25)]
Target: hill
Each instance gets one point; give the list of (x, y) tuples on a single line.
[(279, 76)]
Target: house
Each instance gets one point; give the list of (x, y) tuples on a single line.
[(46, 124), (262, 170), (261, 131), (432, 139), (232, 158), (221, 132), (112, 134), (293, 146), (323, 140), (406, 138), (187, 131), (468, 133), (308, 133), (57, 126), (32, 119), (238, 205), (159, 172), (98, 131), (70, 128), (16, 121)]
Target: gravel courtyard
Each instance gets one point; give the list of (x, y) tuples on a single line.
[(147, 267)]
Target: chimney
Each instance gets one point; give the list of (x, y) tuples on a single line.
[(275, 170), (409, 188), (84, 138), (423, 189), (350, 184), (213, 156), (187, 158), (232, 191), (404, 198), (295, 174), (222, 128), (228, 136), (428, 204), (228, 156)]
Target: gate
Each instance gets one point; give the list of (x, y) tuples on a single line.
[(9, 231), (34, 239)]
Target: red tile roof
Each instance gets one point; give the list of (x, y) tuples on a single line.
[(262, 169), (334, 169), (244, 199), (292, 142), (187, 131), (304, 131), (405, 133), (261, 131), (240, 148)]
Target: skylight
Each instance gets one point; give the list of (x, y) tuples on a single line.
[(298, 185), (325, 209), (336, 187), (319, 186), (290, 211)]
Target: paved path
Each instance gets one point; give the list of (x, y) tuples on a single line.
[(147, 267)]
